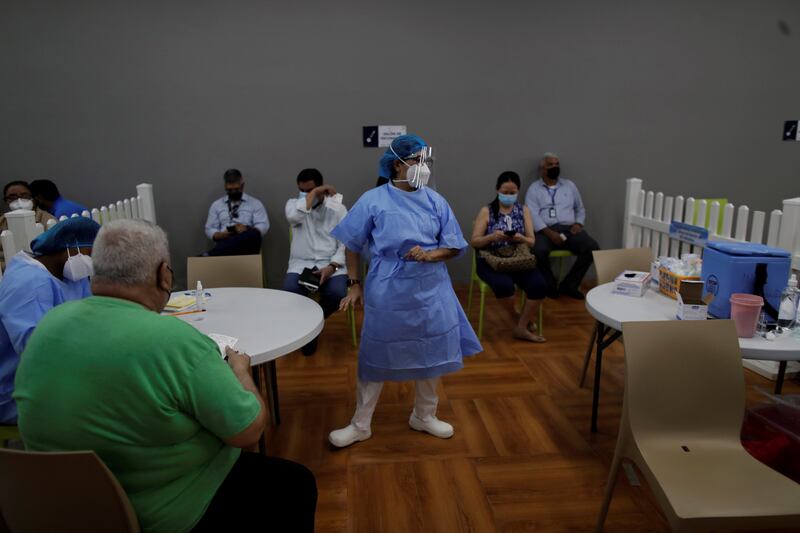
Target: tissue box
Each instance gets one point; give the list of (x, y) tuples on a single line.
[(691, 305), (632, 283)]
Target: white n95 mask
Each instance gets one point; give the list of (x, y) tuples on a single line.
[(78, 266), (418, 175), (21, 203)]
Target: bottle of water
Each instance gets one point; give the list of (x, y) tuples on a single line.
[(787, 312), (199, 297)]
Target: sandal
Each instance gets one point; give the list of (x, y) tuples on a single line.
[(526, 335)]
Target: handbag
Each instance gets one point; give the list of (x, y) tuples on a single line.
[(510, 258)]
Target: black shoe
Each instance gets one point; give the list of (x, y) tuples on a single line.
[(572, 293), (310, 348), (552, 293)]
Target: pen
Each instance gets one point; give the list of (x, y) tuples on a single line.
[(187, 312)]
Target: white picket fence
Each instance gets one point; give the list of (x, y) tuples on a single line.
[(648, 216), (22, 226)]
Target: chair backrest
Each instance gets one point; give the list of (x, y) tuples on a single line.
[(609, 263), (65, 491), (684, 376), (226, 271)]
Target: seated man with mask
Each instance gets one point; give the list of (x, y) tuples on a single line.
[(18, 196), (237, 221), (56, 271), (312, 215), (152, 396), (558, 216)]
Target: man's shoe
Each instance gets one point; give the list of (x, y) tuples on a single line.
[(348, 435), (572, 293), (552, 293), (310, 348), (432, 425)]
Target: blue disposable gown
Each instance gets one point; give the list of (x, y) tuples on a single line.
[(414, 326), (27, 292)]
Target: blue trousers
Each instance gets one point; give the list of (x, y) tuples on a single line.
[(502, 283), (331, 292), (247, 243)]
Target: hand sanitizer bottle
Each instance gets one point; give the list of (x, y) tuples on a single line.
[(787, 312), (199, 297)]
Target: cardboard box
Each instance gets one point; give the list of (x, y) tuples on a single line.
[(632, 283), (691, 304)]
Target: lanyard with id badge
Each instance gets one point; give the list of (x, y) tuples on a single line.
[(551, 212)]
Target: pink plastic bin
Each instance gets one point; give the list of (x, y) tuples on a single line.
[(745, 309)]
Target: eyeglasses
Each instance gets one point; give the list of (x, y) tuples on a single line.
[(24, 196)]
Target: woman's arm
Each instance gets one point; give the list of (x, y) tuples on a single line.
[(529, 238), (479, 238)]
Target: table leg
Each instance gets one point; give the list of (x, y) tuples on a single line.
[(603, 342), (779, 379)]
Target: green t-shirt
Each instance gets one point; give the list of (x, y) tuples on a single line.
[(149, 394)]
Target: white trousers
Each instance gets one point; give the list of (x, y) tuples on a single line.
[(368, 392)]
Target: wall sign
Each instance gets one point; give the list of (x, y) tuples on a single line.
[(696, 235), (790, 131), (375, 136)]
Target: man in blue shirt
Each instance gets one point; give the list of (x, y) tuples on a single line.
[(558, 216), (48, 198), (237, 221)]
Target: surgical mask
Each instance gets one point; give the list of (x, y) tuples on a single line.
[(21, 203), (553, 172), (507, 199), (235, 196), (78, 266), (302, 195)]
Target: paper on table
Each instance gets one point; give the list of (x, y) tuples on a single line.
[(223, 341), (179, 303)]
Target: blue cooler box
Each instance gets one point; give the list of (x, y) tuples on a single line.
[(730, 267)]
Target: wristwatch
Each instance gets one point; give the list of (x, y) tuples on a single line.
[(335, 266), (351, 282)]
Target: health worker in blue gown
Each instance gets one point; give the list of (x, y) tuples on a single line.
[(56, 271), (414, 327)]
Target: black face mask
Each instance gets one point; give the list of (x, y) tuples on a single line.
[(235, 196), (553, 172)]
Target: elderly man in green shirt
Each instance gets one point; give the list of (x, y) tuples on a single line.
[(154, 399)]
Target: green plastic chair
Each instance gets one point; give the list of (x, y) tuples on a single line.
[(722, 202), (483, 287), (8, 433), (351, 313)]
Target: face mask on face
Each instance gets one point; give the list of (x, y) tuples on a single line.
[(78, 266), (235, 196), (553, 172), (507, 199), (302, 194), (21, 203), (417, 175)]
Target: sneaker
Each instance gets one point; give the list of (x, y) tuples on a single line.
[(433, 425), (348, 435)]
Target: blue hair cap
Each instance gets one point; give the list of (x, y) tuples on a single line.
[(73, 232), (404, 146)]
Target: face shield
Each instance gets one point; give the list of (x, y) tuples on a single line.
[(420, 167)]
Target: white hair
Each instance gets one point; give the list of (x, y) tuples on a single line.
[(128, 252), (545, 156)]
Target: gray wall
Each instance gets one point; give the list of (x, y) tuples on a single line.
[(688, 95)]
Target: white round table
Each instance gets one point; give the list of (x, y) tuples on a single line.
[(268, 323), (612, 310)]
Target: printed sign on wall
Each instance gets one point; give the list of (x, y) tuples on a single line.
[(374, 136)]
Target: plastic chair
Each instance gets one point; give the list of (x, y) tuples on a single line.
[(609, 263), (722, 202), (351, 313), (8, 433), (560, 255), (483, 287), (65, 491), (226, 271), (681, 421)]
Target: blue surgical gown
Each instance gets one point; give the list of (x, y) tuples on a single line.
[(27, 292), (414, 326)]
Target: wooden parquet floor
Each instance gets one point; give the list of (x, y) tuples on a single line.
[(522, 458)]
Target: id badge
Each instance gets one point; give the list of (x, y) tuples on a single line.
[(552, 212)]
